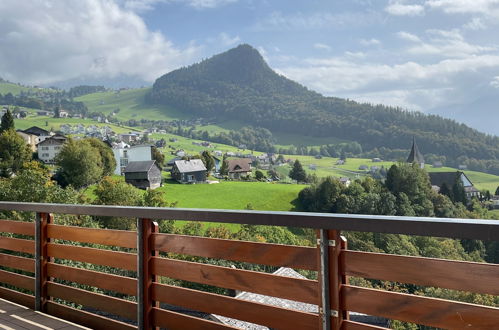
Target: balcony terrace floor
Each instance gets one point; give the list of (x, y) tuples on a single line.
[(14, 316)]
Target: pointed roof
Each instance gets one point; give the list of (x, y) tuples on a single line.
[(415, 156)]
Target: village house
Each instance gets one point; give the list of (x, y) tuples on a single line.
[(239, 168), (40, 133), (45, 113), (124, 154), (130, 137), (30, 139), (437, 164), (363, 167), (189, 171), (438, 179), (49, 148), (143, 174), (345, 181), (63, 114)]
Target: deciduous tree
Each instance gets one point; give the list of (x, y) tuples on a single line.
[(14, 152), (80, 164)]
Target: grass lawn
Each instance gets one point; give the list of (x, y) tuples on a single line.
[(234, 195), (495, 214)]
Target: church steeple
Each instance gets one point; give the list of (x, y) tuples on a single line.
[(415, 156)]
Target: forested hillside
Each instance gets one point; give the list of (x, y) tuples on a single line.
[(238, 84)]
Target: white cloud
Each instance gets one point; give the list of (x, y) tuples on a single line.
[(47, 41), (495, 82), (408, 36), (227, 40), (486, 7), (409, 84), (200, 4), (447, 43), (355, 54), (145, 5), (141, 5), (321, 46), (315, 20), (399, 8), (369, 42), (475, 24)]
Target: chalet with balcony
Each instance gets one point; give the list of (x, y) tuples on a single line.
[(438, 179), (50, 147), (239, 168)]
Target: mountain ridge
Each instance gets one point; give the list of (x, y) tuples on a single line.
[(238, 84)]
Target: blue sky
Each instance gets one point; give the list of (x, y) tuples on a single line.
[(420, 55)]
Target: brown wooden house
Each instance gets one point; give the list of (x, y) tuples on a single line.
[(143, 174)]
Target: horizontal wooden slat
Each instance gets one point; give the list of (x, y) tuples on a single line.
[(421, 310), (17, 227), (104, 281), (18, 297), (122, 238), (27, 264), (273, 285), (86, 319), (271, 316), (17, 244), (449, 274), (98, 301), (173, 321), (258, 253), (17, 280), (95, 256), (352, 325)]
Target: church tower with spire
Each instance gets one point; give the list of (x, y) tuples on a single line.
[(415, 156)]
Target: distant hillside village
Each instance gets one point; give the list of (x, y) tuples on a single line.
[(138, 159)]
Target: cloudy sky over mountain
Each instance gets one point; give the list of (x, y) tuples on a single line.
[(416, 54)]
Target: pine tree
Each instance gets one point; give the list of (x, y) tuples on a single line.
[(7, 122), (298, 173)]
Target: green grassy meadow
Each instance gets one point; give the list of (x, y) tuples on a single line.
[(55, 123), (130, 103), (15, 89), (234, 195)]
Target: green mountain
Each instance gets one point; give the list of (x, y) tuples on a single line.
[(239, 85)]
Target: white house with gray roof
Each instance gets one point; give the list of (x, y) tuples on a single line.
[(189, 171)]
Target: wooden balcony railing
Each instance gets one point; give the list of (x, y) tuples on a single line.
[(111, 279)]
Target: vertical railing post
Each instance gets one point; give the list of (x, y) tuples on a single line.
[(344, 278), (145, 278), (330, 277), (41, 260), (323, 278)]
